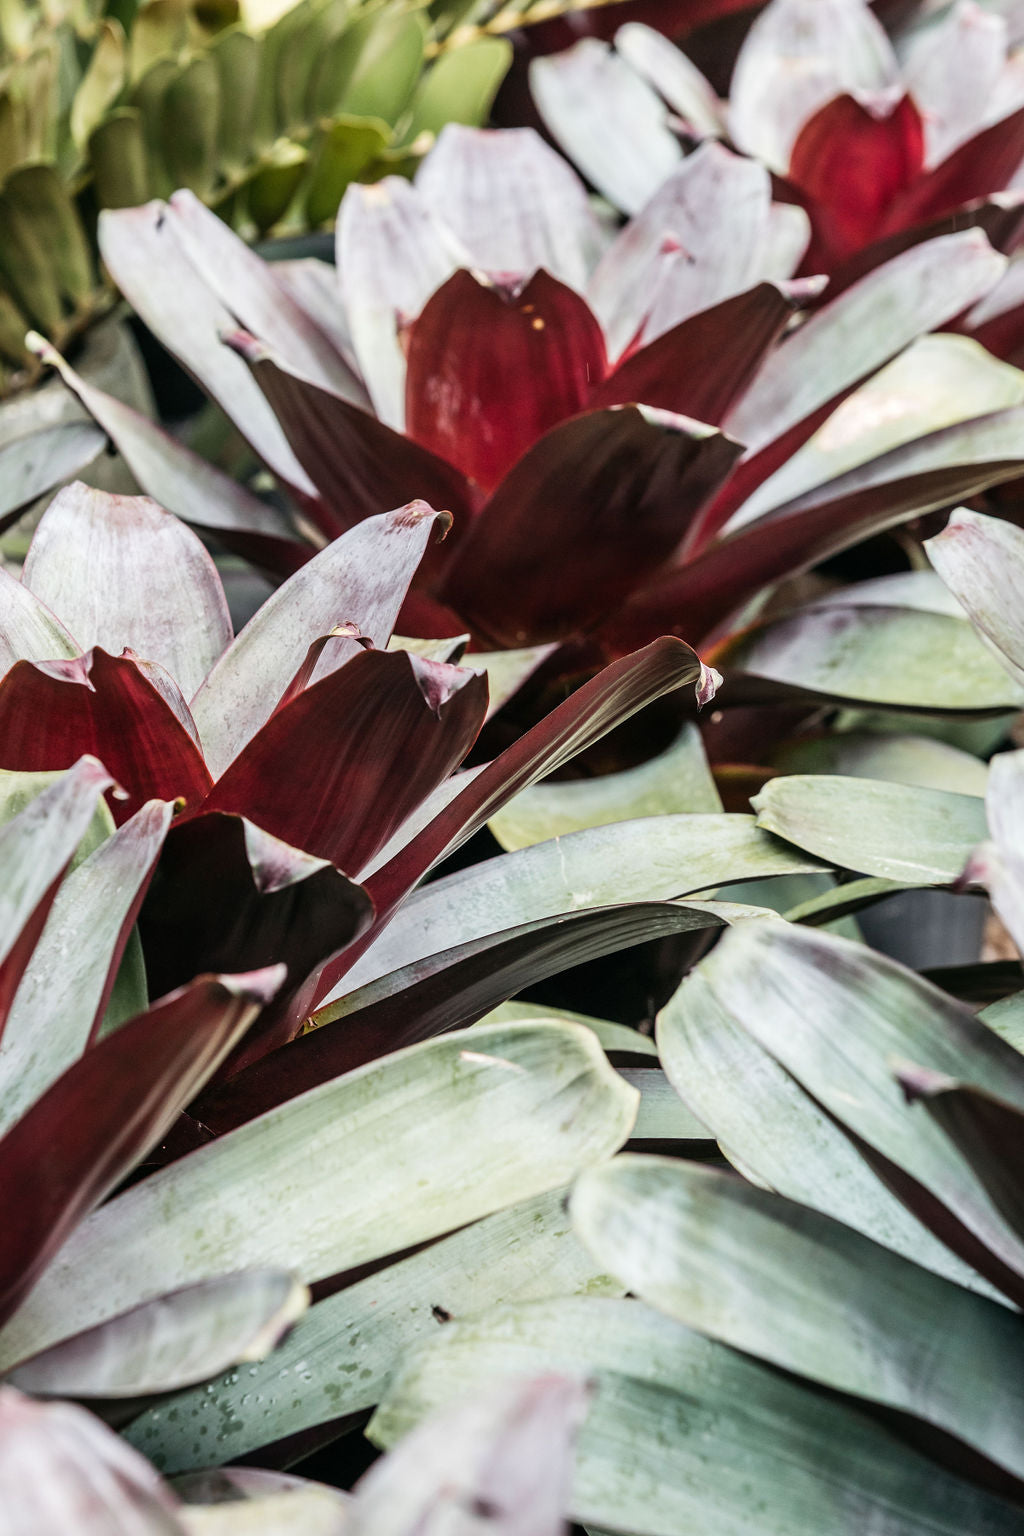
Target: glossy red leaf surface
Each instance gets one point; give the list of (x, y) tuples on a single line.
[(489, 371), (338, 769), (591, 712), (700, 366), (90, 1128), (51, 713), (227, 896), (358, 465), (929, 472), (588, 514), (444, 992), (850, 163), (985, 164)]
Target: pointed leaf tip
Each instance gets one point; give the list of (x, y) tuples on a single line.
[(708, 685)]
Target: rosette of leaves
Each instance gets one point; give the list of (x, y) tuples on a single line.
[(936, 112), (268, 129), (826, 1334), (654, 439), (314, 780)]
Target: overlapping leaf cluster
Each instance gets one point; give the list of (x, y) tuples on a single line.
[(266, 1061)]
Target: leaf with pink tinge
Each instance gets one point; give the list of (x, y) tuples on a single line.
[(672, 261), (249, 288), (607, 120), (110, 1107), (62, 1470), (229, 896), (187, 485), (29, 631), (850, 163), (171, 1342), (360, 466), (337, 770), (981, 560), (678, 81), (514, 203), (850, 337), (505, 1453), (589, 513), (64, 991), (797, 56), (36, 848), (121, 572), (360, 578), (481, 407), (999, 865), (151, 268), (392, 252), (704, 363), (53, 712), (952, 69)]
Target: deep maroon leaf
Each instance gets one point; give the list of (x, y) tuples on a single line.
[(985, 164), (443, 992), (850, 162), (489, 371), (700, 366), (51, 713), (359, 579), (594, 509), (590, 713), (1000, 216), (89, 1129), (341, 766), (359, 466), (929, 472), (229, 897)]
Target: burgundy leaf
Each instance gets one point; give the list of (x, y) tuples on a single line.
[(977, 169), (930, 472), (340, 767), (53, 712), (850, 161), (359, 466), (446, 991), (90, 1128), (358, 579), (1000, 216), (700, 366), (36, 848), (488, 371), (590, 713), (595, 508), (229, 897)]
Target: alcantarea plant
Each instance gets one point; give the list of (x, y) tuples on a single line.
[(880, 144), (577, 512), (828, 1338)]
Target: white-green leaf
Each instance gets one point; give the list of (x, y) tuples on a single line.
[(401, 1151)]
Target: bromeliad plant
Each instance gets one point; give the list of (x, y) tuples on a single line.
[(878, 144), (845, 1305), (576, 510)]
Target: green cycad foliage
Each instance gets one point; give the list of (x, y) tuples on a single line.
[(112, 110)]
